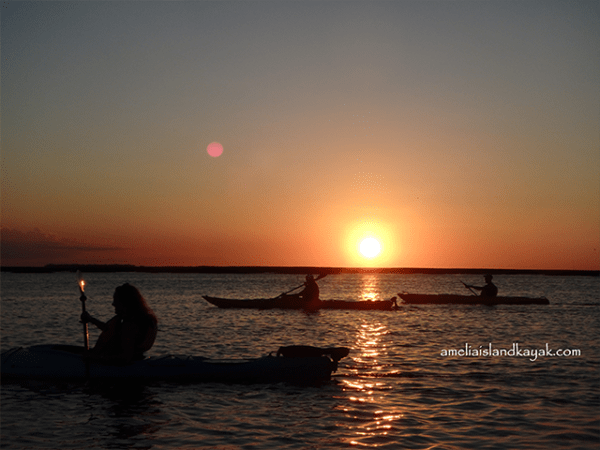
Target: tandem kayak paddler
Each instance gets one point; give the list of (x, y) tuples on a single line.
[(295, 364)]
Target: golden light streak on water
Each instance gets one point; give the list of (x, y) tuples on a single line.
[(370, 289), (371, 419)]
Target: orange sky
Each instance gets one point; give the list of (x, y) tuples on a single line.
[(459, 134)]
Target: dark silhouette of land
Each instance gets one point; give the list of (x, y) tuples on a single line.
[(50, 268)]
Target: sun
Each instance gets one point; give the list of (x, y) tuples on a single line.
[(370, 243), (370, 247)]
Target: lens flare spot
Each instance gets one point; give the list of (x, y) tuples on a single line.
[(214, 149), (370, 247)]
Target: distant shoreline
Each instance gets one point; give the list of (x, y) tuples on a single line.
[(51, 268)]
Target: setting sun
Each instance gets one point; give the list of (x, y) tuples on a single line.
[(371, 243), (370, 247)]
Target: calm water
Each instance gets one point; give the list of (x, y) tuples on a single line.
[(395, 390)]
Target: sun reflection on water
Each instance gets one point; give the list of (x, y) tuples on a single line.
[(371, 420), (370, 288), (369, 344)]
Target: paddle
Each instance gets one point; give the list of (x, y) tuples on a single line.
[(323, 275), (468, 287), (83, 298)]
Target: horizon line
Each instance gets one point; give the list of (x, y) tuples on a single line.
[(90, 268)]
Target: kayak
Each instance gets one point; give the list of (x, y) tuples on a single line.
[(450, 299), (294, 302), (296, 364)]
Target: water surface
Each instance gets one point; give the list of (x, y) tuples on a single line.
[(395, 390)]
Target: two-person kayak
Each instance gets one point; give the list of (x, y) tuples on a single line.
[(295, 364)]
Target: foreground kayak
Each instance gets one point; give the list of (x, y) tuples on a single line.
[(293, 302), (449, 299), (299, 364)]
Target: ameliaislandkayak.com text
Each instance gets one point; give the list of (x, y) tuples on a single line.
[(515, 351)]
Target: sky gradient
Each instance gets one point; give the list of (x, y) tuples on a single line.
[(458, 133)]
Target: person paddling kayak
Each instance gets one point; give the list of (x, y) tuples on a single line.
[(489, 290), (129, 334), (311, 290)]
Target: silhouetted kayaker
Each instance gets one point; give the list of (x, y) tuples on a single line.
[(130, 333), (311, 290), (489, 290)]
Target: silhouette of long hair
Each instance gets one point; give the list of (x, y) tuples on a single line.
[(135, 303)]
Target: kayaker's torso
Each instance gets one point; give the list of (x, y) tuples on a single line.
[(489, 290), (127, 336)]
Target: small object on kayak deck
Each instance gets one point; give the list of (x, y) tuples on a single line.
[(307, 351), (451, 299), (304, 351), (293, 302)]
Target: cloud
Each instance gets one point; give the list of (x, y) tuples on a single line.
[(36, 247)]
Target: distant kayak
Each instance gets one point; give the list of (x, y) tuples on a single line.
[(299, 364), (294, 302), (450, 299)]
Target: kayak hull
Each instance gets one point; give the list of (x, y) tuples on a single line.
[(291, 302), (66, 363), (450, 299)]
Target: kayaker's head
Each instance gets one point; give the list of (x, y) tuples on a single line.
[(309, 278), (488, 278), (128, 301)]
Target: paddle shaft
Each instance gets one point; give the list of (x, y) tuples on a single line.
[(86, 335), (469, 288)]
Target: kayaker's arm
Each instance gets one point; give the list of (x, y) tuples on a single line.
[(86, 318), (471, 287), (489, 290)]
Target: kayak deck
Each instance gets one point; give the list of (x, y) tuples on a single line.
[(451, 299), (60, 362), (292, 302)]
